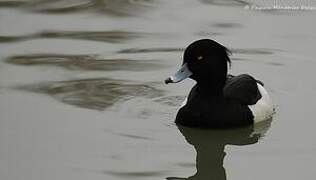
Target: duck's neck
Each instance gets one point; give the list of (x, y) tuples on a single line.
[(209, 89)]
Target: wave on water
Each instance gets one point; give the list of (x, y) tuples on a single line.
[(96, 94), (84, 62), (109, 7)]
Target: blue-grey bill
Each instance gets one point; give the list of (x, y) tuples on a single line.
[(181, 74)]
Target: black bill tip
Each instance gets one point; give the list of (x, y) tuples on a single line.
[(168, 80)]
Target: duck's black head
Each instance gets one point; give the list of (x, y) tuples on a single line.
[(205, 61)]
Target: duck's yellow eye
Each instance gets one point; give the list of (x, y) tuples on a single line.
[(199, 57)]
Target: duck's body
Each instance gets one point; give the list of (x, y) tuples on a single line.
[(218, 99), (244, 101)]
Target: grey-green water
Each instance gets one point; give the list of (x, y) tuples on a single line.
[(82, 93)]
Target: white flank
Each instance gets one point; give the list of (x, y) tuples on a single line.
[(263, 109)]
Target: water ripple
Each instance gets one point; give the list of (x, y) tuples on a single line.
[(253, 51), (11, 4), (120, 8), (96, 94), (150, 50), (135, 136), (226, 2), (227, 25), (174, 101), (84, 62), (135, 174), (114, 36)]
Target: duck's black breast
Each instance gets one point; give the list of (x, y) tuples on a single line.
[(219, 111)]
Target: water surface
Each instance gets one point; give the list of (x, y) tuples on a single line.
[(82, 93)]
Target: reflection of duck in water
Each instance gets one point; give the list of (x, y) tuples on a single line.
[(210, 145)]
